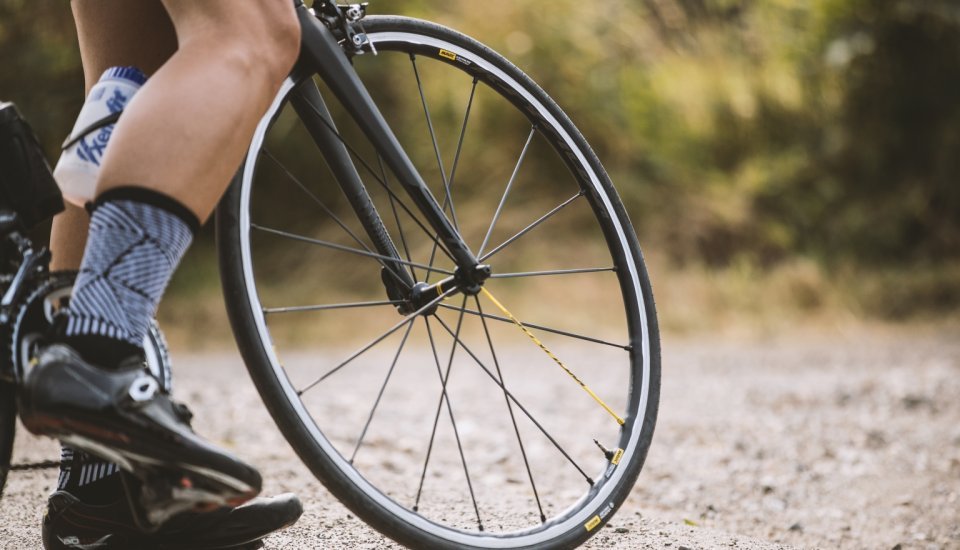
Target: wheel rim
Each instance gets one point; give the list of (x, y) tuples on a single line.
[(574, 512)]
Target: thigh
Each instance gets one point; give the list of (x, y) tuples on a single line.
[(113, 33), (267, 23)]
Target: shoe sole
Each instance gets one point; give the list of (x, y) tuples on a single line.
[(200, 485)]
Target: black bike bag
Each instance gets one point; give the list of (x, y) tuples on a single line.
[(26, 184)]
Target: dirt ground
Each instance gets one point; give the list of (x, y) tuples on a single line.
[(846, 440)]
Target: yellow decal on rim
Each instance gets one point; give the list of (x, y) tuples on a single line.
[(592, 523), (448, 54), (616, 457)]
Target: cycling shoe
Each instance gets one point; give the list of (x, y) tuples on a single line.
[(70, 524), (123, 416)]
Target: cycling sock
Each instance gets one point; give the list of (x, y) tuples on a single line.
[(137, 238), (91, 480)]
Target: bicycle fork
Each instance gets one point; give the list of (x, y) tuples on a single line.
[(321, 52)]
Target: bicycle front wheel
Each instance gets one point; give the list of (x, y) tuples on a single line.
[(520, 417)]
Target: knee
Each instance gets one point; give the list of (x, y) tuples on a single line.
[(280, 45), (261, 38)]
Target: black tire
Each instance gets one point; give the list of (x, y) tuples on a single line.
[(243, 293)]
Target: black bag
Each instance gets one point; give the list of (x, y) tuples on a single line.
[(26, 184)]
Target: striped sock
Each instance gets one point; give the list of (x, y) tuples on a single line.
[(91, 480), (78, 469), (137, 238)]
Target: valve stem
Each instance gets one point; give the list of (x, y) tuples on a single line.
[(606, 452)]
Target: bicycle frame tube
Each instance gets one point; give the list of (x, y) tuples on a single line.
[(309, 104), (321, 53)]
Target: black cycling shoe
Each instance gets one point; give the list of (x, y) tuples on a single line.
[(70, 524), (123, 417)]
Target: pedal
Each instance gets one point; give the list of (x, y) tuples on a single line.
[(163, 494)]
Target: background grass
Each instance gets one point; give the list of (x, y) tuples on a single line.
[(783, 161)]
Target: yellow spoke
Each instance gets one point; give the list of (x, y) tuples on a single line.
[(552, 356)]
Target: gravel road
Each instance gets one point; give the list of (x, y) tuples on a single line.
[(828, 441)]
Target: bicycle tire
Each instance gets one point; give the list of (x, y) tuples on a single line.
[(582, 519)]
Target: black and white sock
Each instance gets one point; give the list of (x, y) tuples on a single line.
[(88, 478), (137, 238)]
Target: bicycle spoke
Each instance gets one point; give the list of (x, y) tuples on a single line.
[(408, 319), (301, 309), (382, 183), (453, 423), (456, 161), (463, 133), (552, 272), (383, 388), (528, 228), (340, 247), (436, 420), (544, 328), (506, 192), (436, 146), (444, 379), (330, 213), (517, 403), (533, 337), (513, 419)]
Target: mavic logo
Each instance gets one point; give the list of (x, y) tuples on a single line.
[(74, 542)]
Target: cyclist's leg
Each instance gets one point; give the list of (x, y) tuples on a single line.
[(111, 33), (170, 157), (244, 53), (186, 131), (68, 237), (247, 55)]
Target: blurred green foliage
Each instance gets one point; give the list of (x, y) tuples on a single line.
[(758, 128), (40, 66), (736, 130)]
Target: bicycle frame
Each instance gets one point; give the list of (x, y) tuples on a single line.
[(321, 53)]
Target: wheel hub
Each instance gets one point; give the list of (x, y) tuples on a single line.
[(423, 296)]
